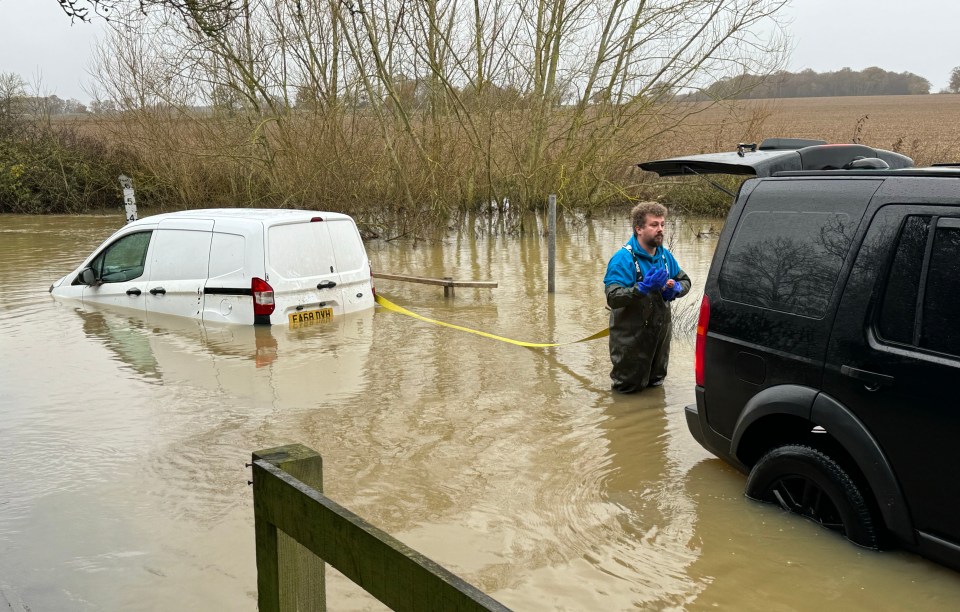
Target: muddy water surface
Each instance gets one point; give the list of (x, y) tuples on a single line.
[(123, 482)]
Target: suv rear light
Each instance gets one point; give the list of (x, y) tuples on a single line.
[(703, 322), (262, 297), (373, 286)]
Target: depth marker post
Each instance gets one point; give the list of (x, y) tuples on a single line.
[(129, 199)]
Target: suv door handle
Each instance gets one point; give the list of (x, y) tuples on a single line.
[(158, 290), (871, 380), (133, 292), (326, 285)]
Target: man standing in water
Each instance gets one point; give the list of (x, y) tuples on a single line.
[(642, 279)]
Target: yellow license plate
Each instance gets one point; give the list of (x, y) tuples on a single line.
[(311, 317)]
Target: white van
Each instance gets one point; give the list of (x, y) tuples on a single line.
[(230, 265)]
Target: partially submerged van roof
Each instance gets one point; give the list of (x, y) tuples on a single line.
[(254, 214)]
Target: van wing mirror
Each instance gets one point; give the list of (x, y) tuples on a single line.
[(88, 276)]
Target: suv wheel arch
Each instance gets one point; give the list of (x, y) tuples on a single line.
[(781, 400), (863, 449), (794, 409)]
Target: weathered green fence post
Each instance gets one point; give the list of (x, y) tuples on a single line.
[(297, 526), (289, 577)]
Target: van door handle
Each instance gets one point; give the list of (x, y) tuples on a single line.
[(326, 285), (133, 292), (871, 380), (158, 291)]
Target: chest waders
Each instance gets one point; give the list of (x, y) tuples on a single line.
[(640, 333)]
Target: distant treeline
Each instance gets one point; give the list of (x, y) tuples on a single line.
[(806, 84)]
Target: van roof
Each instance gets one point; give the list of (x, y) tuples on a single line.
[(252, 214)]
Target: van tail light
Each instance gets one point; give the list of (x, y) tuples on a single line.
[(703, 322), (262, 297), (373, 286)]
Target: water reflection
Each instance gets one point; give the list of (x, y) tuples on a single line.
[(125, 337), (325, 359)]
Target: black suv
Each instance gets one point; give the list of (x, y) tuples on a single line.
[(827, 346)]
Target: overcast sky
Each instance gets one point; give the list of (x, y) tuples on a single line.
[(920, 36)]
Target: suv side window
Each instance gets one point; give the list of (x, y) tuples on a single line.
[(918, 313), (899, 305), (790, 243), (939, 330), (123, 260)]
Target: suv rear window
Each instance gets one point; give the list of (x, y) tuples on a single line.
[(791, 241)]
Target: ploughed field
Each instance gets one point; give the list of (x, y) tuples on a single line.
[(925, 128)]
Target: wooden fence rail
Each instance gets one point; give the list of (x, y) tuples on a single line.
[(447, 283), (287, 507)]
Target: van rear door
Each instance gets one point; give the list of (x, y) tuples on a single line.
[(352, 264), (302, 271), (179, 261)]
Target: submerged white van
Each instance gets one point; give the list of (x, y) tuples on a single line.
[(242, 266)]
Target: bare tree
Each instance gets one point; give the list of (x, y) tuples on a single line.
[(435, 105), (12, 96)]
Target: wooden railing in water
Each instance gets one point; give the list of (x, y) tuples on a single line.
[(447, 282), (298, 528)]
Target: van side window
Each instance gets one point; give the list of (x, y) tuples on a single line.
[(227, 253), (790, 243), (939, 330), (899, 305), (180, 254), (123, 260)]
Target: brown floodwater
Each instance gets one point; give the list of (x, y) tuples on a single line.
[(124, 488)]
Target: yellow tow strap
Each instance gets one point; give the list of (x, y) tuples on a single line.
[(393, 307)]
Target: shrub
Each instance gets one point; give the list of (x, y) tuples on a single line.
[(696, 196), (55, 169)]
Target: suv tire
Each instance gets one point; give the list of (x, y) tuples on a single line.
[(806, 481)]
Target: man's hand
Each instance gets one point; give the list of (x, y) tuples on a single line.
[(671, 290), (652, 281)]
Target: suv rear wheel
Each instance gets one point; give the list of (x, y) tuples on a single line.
[(807, 482)]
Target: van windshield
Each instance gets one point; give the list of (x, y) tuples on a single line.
[(300, 250)]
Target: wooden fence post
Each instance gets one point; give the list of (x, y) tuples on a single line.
[(295, 574), (384, 567)]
